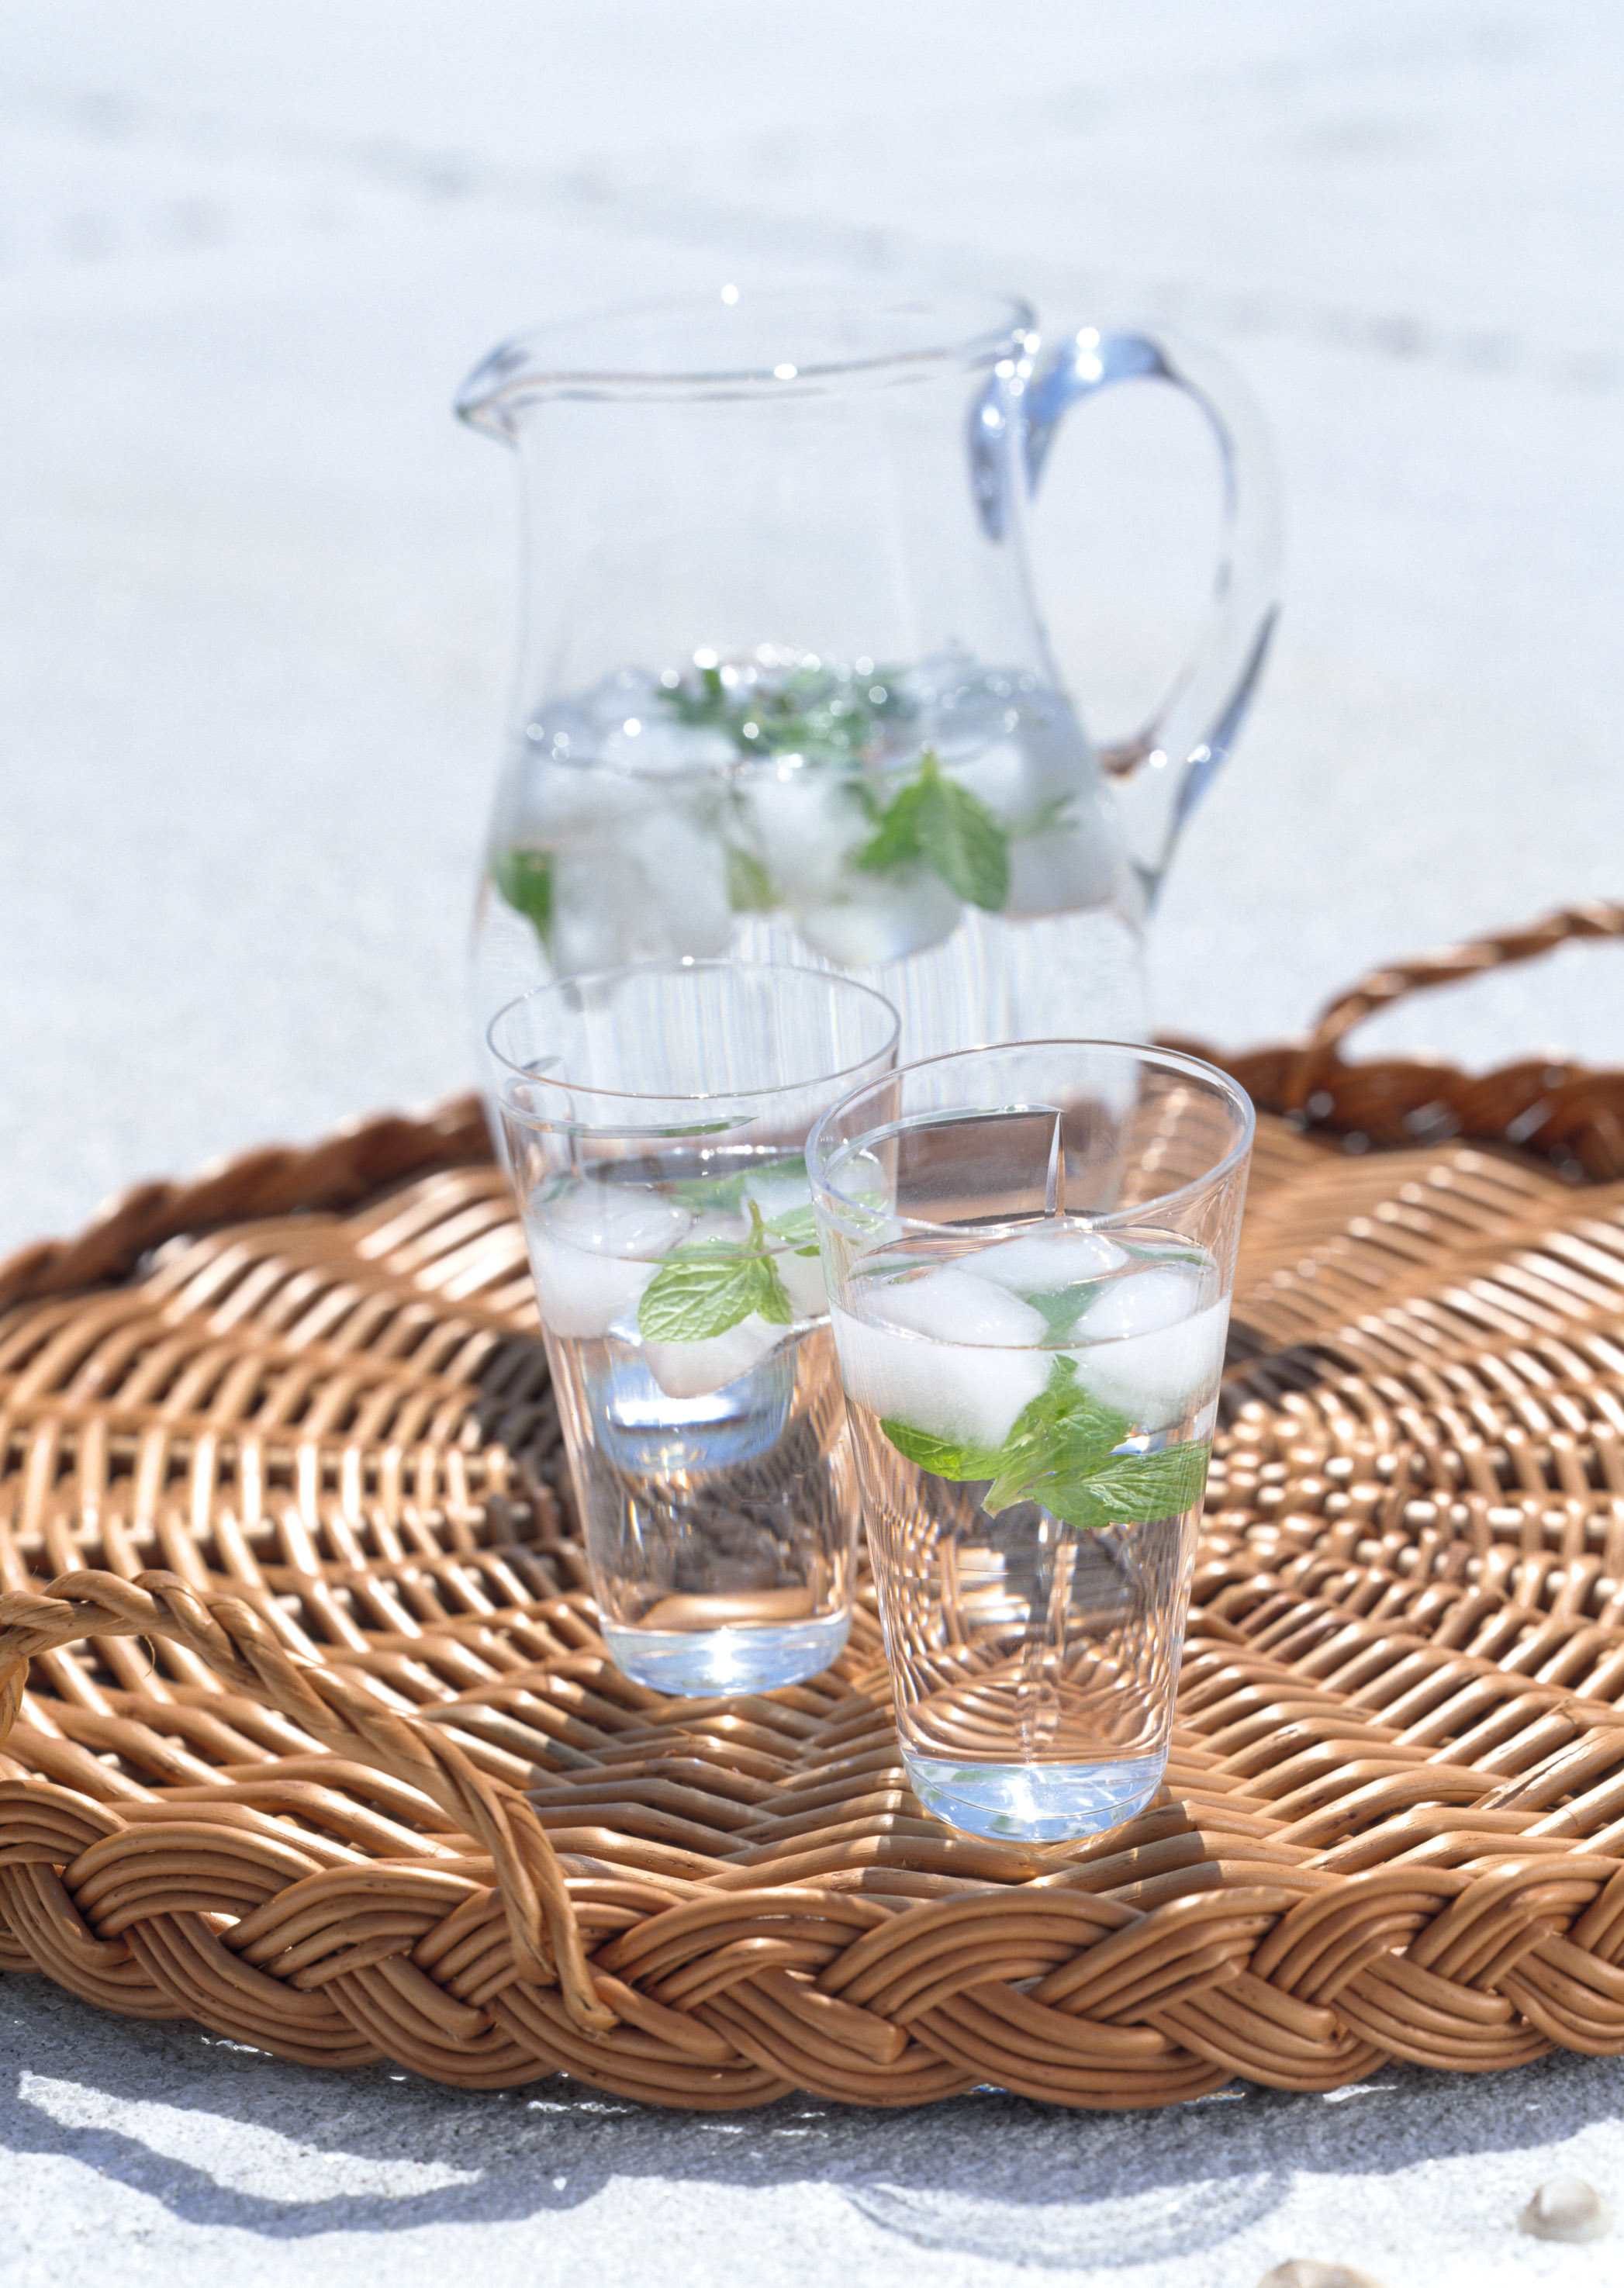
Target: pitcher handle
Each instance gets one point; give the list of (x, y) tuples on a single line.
[(1160, 774)]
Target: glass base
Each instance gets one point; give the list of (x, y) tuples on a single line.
[(705, 1663), (1035, 1803)]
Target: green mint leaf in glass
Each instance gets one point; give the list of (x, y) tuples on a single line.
[(720, 1194), (1136, 1488), (525, 879), (797, 1228), (962, 1464), (933, 818), (1063, 1452), (771, 1301), (698, 1291), (1062, 1306), (707, 1286), (962, 841), (750, 885), (1128, 1489), (1062, 1429), (896, 840)]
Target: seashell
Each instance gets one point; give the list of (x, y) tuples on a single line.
[(1566, 2208), (1305, 2272)]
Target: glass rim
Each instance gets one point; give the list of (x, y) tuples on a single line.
[(690, 965), (538, 364), (1176, 1061)]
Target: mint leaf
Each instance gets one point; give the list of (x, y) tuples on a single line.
[(698, 1291), (1129, 1489), (962, 1464), (1062, 1452), (828, 714), (525, 879), (797, 1228), (706, 1287), (897, 841), (773, 1301), (1061, 1430), (934, 819), (750, 885), (1062, 1306), (1165, 1484), (964, 842), (721, 1193)]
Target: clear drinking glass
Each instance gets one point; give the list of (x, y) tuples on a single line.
[(655, 1120), (1029, 1254)]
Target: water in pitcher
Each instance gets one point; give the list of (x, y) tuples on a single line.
[(1032, 1420), (937, 829)]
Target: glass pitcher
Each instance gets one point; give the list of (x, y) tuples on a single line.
[(783, 691)]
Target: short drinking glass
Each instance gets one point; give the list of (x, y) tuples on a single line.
[(655, 1120), (1030, 1253)]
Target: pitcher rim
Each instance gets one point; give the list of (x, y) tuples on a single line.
[(527, 367)]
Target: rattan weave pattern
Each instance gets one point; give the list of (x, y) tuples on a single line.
[(319, 1746)]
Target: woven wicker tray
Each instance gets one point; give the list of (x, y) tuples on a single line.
[(319, 1746)]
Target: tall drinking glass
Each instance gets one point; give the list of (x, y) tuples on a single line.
[(1030, 1253), (655, 1120)]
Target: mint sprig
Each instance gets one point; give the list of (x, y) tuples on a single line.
[(750, 885), (1063, 1452), (935, 820), (817, 711), (797, 1228), (525, 879), (709, 1285)]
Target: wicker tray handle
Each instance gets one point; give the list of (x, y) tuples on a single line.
[(1451, 966), (1563, 1112), (241, 1649)]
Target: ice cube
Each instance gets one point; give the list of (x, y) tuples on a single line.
[(594, 1248), (998, 775), (561, 804), (581, 1293), (1156, 1377), (801, 821), (1143, 1302), (1061, 872), (780, 1188), (595, 904), (802, 1278), (1039, 1262), (622, 1219), (680, 860), (966, 1392), (692, 1370), (950, 1306), (662, 746), (660, 890), (882, 917)]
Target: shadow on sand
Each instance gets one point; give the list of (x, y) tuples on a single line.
[(222, 2135)]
